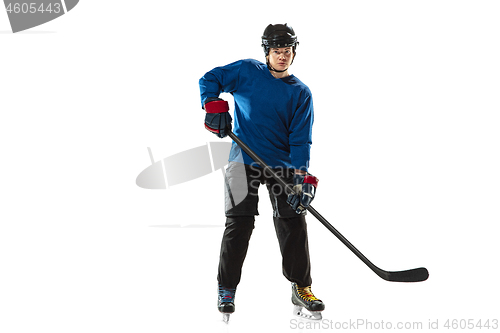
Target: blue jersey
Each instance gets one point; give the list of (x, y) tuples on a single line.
[(274, 117)]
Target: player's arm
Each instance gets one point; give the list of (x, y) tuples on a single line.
[(212, 84), (304, 184)]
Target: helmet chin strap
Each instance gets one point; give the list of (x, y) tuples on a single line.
[(271, 68)]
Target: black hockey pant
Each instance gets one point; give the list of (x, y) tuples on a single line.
[(242, 183)]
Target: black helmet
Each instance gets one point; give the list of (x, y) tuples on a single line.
[(279, 35)]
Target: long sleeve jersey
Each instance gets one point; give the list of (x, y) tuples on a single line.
[(274, 117)]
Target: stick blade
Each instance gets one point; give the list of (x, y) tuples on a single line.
[(411, 275)]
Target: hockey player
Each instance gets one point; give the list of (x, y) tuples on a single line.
[(273, 116)]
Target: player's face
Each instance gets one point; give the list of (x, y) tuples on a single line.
[(280, 59)]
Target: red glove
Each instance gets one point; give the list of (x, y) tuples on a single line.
[(218, 120)]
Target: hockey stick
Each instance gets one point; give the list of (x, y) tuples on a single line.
[(411, 275)]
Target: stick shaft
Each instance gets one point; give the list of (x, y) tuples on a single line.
[(313, 211), (390, 276)]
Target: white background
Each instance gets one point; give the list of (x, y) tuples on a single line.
[(405, 143)]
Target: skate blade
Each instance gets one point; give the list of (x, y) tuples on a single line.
[(225, 317), (298, 311)]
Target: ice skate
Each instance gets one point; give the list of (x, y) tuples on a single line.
[(226, 302), (303, 298)]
